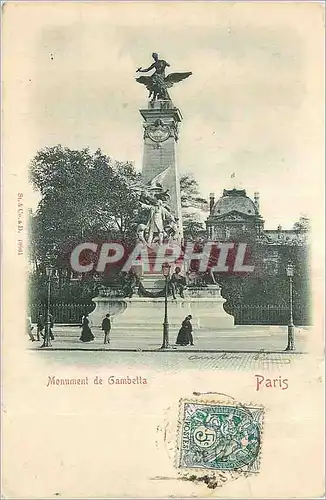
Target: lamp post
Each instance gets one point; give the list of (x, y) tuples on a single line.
[(166, 273), (47, 340), (290, 273)]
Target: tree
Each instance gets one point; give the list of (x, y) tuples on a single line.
[(122, 207), (83, 198), (193, 206), (303, 224), (190, 194)]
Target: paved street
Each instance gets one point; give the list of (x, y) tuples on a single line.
[(241, 338), (244, 348)]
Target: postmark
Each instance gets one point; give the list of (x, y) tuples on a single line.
[(219, 436)]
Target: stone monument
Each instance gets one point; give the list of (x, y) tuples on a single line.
[(161, 126), (161, 122), (142, 312)]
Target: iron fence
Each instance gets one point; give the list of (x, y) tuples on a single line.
[(62, 313), (249, 314), (244, 314)]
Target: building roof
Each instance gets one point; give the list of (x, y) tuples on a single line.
[(234, 200)]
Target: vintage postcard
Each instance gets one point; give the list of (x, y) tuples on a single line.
[(163, 249)]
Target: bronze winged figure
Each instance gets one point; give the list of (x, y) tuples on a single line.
[(157, 83)]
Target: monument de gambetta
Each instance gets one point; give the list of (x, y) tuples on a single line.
[(161, 121), (142, 306), (137, 255)]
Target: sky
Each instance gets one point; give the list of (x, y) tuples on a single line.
[(253, 105)]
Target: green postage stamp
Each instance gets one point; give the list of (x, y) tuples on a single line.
[(216, 436)]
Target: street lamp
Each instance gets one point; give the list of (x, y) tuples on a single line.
[(290, 273), (166, 273), (47, 340)]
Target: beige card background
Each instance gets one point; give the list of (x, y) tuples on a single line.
[(106, 441)]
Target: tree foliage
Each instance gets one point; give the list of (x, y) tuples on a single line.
[(193, 206), (303, 224), (83, 198), (269, 284), (190, 193)]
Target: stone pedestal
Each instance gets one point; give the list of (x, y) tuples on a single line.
[(106, 305), (161, 121), (144, 316), (153, 281)]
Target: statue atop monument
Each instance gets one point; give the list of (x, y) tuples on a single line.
[(157, 83)]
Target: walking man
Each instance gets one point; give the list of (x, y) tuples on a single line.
[(106, 327), (40, 326), (51, 326)]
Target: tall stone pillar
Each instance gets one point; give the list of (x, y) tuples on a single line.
[(161, 123)]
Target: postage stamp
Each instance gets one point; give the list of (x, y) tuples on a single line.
[(225, 437)]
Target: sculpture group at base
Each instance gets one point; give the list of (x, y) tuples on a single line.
[(127, 285), (162, 225)]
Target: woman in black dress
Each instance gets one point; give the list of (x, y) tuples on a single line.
[(185, 333), (86, 335)]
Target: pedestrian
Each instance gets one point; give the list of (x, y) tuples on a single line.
[(86, 335), (48, 326), (51, 326), (40, 326), (106, 327), (185, 336), (30, 328), (191, 338), (177, 283)]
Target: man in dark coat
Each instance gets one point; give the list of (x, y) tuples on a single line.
[(50, 320), (48, 324), (40, 326), (106, 327)]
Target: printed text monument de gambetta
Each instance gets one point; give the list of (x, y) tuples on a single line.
[(110, 380)]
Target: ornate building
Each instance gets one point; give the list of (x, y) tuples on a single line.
[(235, 216)]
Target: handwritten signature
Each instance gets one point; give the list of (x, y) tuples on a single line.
[(258, 356)]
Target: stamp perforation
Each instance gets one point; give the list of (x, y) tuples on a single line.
[(219, 399)]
